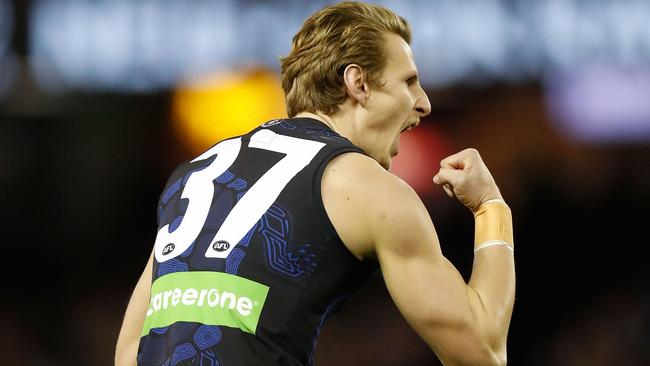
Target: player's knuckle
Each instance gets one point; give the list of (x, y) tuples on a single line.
[(473, 152)]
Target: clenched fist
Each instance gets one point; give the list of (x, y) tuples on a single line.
[(465, 176)]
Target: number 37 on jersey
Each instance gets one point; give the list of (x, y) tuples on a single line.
[(199, 190)]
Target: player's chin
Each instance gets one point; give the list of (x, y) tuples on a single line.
[(385, 161), (388, 162), (394, 151), (386, 165)]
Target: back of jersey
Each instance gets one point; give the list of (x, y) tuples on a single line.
[(247, 264)]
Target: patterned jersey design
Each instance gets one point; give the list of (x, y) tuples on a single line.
[(228, 190), (293, 262), (283, 250)]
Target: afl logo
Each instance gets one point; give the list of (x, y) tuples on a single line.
[(272, 122), (168, 248), (221, 246)]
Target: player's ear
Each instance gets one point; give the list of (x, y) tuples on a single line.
[(356, 84)]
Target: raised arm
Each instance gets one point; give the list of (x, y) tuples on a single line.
[(376, 214), (129, 338)]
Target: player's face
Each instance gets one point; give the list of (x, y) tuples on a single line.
[(396, 105)]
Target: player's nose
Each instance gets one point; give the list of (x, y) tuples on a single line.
[(422, 104)]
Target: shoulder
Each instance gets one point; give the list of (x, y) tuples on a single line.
[(363, 177), (368, 205)]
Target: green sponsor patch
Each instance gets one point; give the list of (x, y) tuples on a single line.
[(211, 298)]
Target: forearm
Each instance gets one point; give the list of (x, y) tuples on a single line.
[(127, 343), (493, 282), (493, 274), (129, 337)]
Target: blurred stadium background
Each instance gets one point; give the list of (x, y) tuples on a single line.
[(99, 100)]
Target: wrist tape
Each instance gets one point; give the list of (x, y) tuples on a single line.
[(493, 225)]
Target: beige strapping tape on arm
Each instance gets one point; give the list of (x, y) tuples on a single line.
[(493, 225)]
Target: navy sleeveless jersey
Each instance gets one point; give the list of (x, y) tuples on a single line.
[(247, 263)]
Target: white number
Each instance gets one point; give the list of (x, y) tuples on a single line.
[(250, 208), (199, 190)]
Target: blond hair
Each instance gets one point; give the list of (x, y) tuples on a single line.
[(330, 40)]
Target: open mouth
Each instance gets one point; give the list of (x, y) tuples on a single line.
[(409, 127)]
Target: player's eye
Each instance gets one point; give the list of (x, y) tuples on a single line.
[(411, 80)]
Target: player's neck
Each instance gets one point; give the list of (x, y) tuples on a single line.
[(327, 120), (343, 125)]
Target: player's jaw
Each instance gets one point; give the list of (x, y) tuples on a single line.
[(406, 126), (393, 149)]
